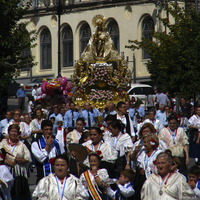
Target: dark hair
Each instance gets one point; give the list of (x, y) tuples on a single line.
[(183, 114), (172, 117), (84, 135), (53, 118), (96, 127), (60, 122), (61, 108), (94, 153), (109, 117), (194, 170), (36, 111), (152, 110), (176, 160), (129, 173), (46, 122), (80, 119), (71, 103), (30, 98), (62, 156), (12, 126), (116, 124), (119, 104)]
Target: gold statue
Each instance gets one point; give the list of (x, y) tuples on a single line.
[(100, 70), (100, 35)]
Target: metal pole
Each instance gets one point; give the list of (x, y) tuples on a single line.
[(31, 74), (196, 6), (59, 12), (134, 69)]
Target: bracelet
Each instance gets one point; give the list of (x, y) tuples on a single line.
[(127, 163), (48, 144), (96, 175)]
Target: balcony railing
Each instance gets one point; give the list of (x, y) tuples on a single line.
[(40, 3)]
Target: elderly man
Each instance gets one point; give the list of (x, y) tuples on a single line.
[(21, 94), (45, 149), (110, 110), (161, 115)]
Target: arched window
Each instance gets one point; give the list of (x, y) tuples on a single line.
[(113, 30), (67, 37), (147, 32), (45, 42), (85, 34), (26, 52)]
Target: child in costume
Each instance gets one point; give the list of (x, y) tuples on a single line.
[(194, 181), (95, 179), (125, 186)]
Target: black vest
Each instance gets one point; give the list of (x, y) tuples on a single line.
[(128, 128)]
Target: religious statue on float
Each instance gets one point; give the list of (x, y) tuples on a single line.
[(101, 74)]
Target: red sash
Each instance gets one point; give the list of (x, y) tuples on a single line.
[(92, 189)]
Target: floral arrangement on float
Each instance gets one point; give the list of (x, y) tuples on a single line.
[(54, 90), (101, 96), (101, 77)]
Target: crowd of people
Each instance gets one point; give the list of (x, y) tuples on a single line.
[(118, 154)]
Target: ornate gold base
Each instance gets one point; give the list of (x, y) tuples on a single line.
[(99, 105)]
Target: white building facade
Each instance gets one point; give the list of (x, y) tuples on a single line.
[(126, 20)]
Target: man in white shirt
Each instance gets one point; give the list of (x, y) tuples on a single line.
[(45, 149), (34, 92), (5, 121), (163, 99), (125, 119)]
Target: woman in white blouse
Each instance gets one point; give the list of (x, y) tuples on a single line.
[(147, 158), (109, 153), (61, 185), (122, 142), (17, 161), (194, 125), (177, 141)]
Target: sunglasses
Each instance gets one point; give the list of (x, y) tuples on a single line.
[(16, 113)]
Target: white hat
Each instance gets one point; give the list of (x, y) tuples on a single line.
[(21, 85)]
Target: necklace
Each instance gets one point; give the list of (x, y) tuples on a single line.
[(147, 167), (173, 136), (60, 194), (116, 139), (164, 182)]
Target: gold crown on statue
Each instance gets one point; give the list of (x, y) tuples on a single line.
[(98, 19)]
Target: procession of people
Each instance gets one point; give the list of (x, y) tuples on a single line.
[(86, 153)]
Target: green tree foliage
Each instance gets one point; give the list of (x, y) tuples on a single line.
[(14, 38), (174, 62)]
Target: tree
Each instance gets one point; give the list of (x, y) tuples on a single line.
[(14, 38), (174, 57)]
